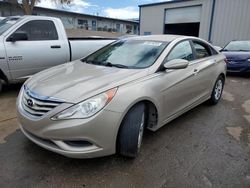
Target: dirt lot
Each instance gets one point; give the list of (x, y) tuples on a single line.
[(207, 147)]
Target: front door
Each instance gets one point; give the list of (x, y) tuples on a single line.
[(42, 49), (178, 85)]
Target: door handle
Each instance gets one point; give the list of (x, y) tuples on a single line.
[(196, 71), (55, 46)]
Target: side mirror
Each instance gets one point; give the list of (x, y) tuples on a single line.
[(176, 64), (18, 36)]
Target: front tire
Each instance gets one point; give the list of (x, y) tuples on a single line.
[(1, 85), (217, 90), (131, 131)]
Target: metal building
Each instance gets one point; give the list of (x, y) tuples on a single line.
[(217, 21)]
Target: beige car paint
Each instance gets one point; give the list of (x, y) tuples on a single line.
[(173, 92)]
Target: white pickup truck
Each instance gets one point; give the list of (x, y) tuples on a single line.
[(29, 44)]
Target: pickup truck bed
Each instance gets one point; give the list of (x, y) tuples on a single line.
[(81, 47)]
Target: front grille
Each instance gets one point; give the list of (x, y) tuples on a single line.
[(37, 105)]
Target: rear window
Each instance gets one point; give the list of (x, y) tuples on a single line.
[(214, 52), (40, 30)]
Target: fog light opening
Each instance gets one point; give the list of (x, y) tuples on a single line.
[(78, 143)]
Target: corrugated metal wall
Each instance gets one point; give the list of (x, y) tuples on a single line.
[(231, 21), (152, 17)]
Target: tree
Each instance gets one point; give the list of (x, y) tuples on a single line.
[(28, 5)]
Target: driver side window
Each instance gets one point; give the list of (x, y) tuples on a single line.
[(38, 30), (182, 50)]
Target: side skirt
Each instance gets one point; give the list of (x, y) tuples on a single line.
[(171, 118)]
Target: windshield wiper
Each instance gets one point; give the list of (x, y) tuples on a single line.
[(92, 62), (235, 50), (244, 50), (116, 65), (108, 64)]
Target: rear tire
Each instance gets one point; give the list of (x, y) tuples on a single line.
[(217, 90), (131, 131)]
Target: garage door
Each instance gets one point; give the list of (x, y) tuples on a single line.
[(183, 15), (183, 21)]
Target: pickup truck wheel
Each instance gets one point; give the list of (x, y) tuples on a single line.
[(217, 90), (131, 131)]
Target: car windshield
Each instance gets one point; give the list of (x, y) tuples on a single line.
[(6, 23), (133, 54), (238, 46)]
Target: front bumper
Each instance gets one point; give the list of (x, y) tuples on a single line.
[(98, 133), (238, 67)]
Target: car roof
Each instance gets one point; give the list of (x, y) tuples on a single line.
[(160, 38)]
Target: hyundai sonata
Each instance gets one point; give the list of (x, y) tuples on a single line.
[(101, 104)]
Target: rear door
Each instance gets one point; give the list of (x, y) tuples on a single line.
[(204, 69), (42, 50)]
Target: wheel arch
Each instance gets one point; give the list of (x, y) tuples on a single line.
[(3, 76), (223, 75), (151, 114)]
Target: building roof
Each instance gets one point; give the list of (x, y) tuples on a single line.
[(164, 2), (82, 14), (76, 14)]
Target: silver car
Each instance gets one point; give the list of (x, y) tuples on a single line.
[(101, 104)]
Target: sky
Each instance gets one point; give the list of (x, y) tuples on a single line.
[(121, 9)]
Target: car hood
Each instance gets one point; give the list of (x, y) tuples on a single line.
[(77, 81), (237, 55)]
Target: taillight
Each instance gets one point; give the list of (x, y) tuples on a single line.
[(226, 61)]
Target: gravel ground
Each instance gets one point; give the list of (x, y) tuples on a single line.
[(206, 147)]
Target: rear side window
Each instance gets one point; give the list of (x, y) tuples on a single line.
[(40, 30), (202, 50), (182, 50), (213, 51)]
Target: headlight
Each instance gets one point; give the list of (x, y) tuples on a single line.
[(88, 107)]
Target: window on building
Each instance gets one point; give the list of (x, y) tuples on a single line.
[(129, 29), (182, 50), (93, 25), (118, 28), (105, 28), (40, 30), (135, 29), (83, 24), (147, 33)]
